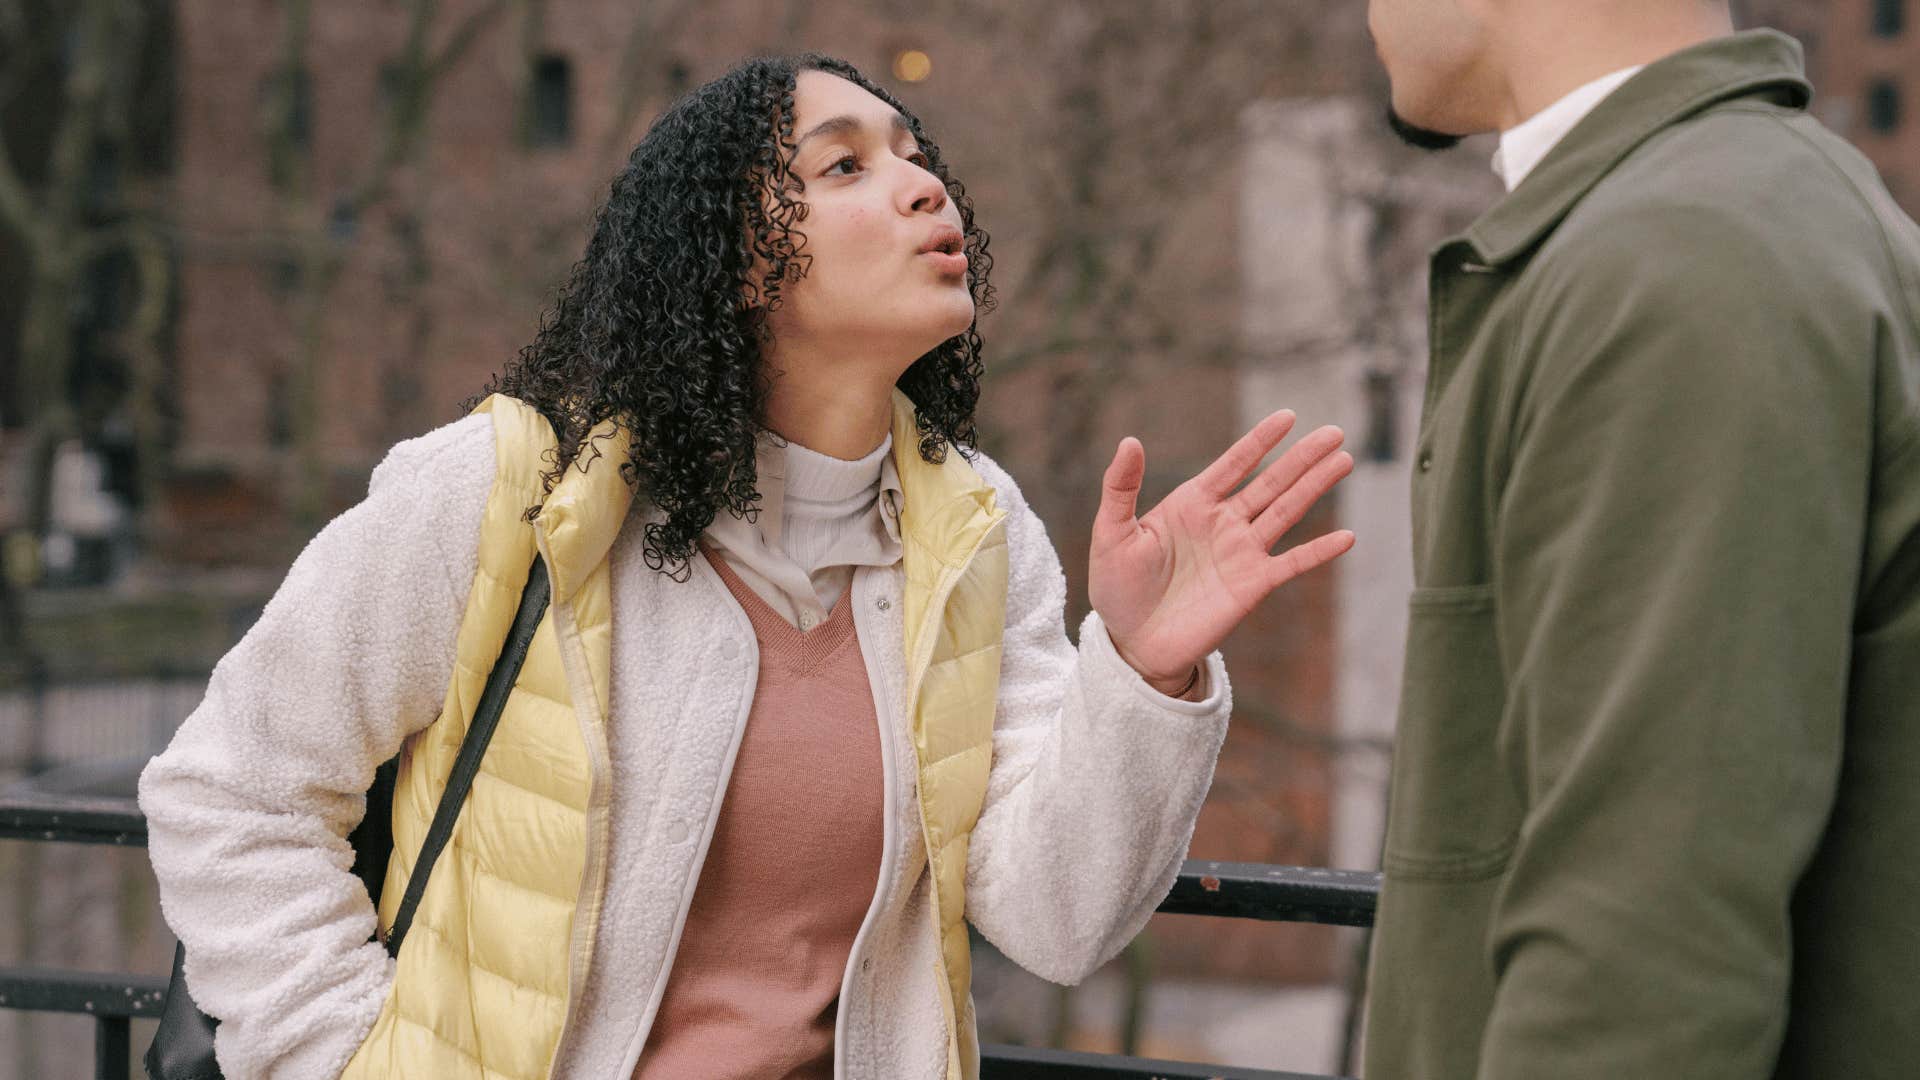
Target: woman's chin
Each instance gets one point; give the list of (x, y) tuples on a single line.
[(958, 315)]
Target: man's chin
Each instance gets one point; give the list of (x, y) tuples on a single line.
[(1424, 138)]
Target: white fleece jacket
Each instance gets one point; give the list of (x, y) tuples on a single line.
[(1096, 782)]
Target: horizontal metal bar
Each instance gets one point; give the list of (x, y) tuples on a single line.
[(1233, 890), (91, 993), (1028, 1063), (72, 819), (122, 995), (1274, 893), (1230, 890)]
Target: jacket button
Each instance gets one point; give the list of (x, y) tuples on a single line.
[(677, 832), (1426, 461)]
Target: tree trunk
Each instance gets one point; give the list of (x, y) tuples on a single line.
[(47, 349)]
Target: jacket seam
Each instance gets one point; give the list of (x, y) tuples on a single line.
[(402, 1018), (1902, 444), (542, 796), (1907, 287), (1452, 597), (481, 865), (467, 957), (1478, 866)]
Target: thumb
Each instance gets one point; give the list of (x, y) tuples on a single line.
[(1120, 491)]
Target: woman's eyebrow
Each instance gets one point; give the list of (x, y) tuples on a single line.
[(845, 124)]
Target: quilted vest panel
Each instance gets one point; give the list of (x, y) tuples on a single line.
[(955, 562), (483, 982)]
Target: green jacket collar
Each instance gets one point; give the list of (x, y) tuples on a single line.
[(1762, 62)]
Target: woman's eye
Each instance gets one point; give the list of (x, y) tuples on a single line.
[(850, 163), (920, 159)]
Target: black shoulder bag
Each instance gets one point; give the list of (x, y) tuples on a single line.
[(183, 1046)]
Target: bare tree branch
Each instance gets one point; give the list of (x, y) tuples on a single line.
[(13, 22), (639, 56), (17, 204), (283, 154), (463, 37), (25, 47), (421, 73)]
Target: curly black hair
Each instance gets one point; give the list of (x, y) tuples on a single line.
[(651, 328)]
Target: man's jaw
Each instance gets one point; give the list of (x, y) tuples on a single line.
[(1424, 138)]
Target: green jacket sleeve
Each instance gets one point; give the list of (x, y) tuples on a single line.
[(1676, 549)]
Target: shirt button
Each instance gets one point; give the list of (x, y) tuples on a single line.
[(677, 832), (806, 622), (882, 603)]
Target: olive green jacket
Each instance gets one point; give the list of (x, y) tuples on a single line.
[(1656, 792)]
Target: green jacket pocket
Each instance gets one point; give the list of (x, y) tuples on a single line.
[(1454, 813)]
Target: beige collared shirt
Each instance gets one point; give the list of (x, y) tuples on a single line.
[(819, 518)]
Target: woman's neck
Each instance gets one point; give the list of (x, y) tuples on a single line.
[(830, 410)]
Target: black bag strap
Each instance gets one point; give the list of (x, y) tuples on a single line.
[(533, 604)]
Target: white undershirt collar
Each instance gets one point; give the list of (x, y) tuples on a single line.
[(1523, 147)]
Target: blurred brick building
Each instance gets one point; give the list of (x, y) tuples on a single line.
[(1869, 81), (445, 278)]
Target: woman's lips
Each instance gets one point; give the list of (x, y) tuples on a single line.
[(947, 263)]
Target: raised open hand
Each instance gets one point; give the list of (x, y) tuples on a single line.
[(1172, 585)]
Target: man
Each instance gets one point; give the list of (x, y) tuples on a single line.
[(1656, 796)]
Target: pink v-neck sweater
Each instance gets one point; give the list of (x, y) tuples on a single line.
[(792, 867)]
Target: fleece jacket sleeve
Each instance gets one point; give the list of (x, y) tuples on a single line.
[(249, 807), (1097, 778)]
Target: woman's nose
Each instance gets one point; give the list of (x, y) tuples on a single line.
[(924, 193)]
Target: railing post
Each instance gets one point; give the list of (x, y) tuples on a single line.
[(112, 1046)]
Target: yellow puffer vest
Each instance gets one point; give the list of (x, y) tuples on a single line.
[(501, 940)]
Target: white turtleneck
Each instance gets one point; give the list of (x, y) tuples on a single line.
[(819, 518)]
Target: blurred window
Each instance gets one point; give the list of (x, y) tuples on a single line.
[(1883, 106), (287, 102), (1382, 416), (1889, 17), (279, 416), (298, 87), (389, 83), (550, 106)]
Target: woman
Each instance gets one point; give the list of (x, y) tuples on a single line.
[(798, 712)]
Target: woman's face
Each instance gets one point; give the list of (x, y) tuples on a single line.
[(888, 273)]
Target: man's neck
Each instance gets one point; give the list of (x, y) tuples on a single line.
[(1547, 51)]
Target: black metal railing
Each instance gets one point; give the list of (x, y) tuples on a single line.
[(1228, 890)]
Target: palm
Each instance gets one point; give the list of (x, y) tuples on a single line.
[(1172, 585)]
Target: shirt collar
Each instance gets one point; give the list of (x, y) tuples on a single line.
[(1762, 63), (1522, 147), (771, 465), (818, 478)]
